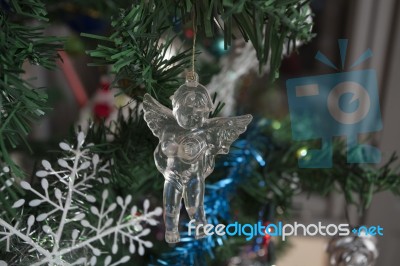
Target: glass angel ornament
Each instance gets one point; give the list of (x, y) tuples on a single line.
[(185, 155)]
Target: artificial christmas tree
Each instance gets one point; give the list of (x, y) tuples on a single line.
[(149, 48)]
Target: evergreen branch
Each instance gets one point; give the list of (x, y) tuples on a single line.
[(22, 40), (358, 183), (137, 49), (267, 24)]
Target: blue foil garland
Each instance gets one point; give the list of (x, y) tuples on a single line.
[(246, 156)]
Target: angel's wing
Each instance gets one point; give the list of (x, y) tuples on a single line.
[(157, 116), (224, 131)]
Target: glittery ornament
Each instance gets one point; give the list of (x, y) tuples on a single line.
[(189, 142), (353, 251)]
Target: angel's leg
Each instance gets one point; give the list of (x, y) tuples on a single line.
[(194, 203), (172, 199)]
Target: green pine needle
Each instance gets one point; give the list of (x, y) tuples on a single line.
[(21, 103)]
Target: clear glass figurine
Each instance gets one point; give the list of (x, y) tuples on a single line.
[(185, 155)]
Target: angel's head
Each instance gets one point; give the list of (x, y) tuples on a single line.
[(191, 106)]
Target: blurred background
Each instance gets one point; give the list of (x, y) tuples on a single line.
[(79, 92)]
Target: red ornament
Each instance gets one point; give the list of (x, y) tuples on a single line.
[(105, 86), (267, 237), (103, 102), (102, 110), (189, 33)]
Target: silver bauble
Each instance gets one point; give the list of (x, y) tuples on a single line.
[(353, 251)]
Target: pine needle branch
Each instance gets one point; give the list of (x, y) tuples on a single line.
[(22, 39)]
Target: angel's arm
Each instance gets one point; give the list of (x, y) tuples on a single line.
[(168, 143)]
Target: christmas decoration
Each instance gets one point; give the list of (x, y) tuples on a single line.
[(66, 231), (261, 167), (353, 251), (189, 142), (104, 100), (5, 182), (105, 108), (240, 164)]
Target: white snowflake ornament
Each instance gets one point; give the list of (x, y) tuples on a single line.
[(64, 192)]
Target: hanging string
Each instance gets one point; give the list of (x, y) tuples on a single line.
[(194, 39), (192, 74)]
